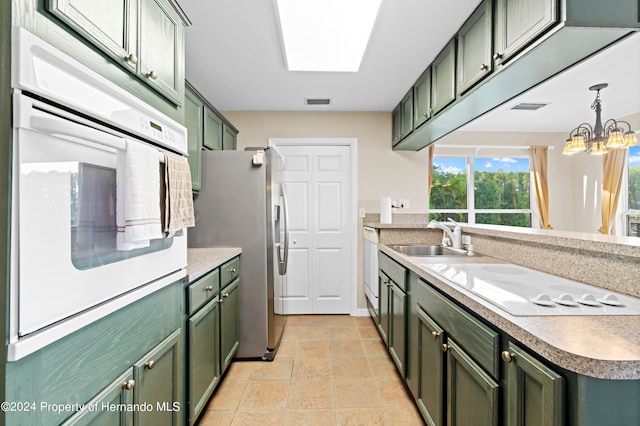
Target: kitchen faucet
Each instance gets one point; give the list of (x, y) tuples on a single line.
[(455, 236)]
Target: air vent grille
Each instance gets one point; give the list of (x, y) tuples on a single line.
[(317, 101), (529, 106)]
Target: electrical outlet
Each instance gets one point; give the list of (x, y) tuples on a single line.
[(363, 212), (404, 204)]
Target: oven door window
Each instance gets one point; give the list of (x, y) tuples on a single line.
[(93, 219)]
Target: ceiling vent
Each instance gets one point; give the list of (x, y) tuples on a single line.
[(317, 101), (529, 106)]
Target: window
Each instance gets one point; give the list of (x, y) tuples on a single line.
[(633, 200), (497, 192)]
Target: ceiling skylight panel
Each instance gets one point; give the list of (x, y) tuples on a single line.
[(326, 35)]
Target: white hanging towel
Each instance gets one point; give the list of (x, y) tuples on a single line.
[(138, 196)]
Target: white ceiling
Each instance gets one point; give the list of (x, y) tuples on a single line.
[(234, 58)]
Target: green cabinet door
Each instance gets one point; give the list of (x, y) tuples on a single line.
[(396, 124), (443, 78), (229, 137), (534, 393), (474, 48), (422, 98), (158, 384), (518, 22), (406, 124), (212, 130), (397, 327), (472, 395), (384, 282), (204, 356), (111, 26), (120, 391), (431, 370), (193, 122), (161, 40), (229, 324)]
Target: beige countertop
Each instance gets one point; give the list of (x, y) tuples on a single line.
[(202, 260), (606, 347)]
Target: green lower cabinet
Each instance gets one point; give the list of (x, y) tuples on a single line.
[(204, 356), (120, 391), (534, 393), (472, 395), (158, 384), (383, 306), (431, 370), (398, 323), (229, 324)]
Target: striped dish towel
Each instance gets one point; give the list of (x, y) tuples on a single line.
[(178, 212)]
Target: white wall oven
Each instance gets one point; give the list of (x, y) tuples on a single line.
[(70, 263)]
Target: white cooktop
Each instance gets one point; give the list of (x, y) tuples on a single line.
[(527, 292)]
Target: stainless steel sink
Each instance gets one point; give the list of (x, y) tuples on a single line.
[(424, 250)]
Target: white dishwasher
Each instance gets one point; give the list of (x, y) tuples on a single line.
[(370, 274)]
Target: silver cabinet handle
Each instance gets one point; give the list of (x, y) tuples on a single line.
[(150, 364), (435, 334), (497, 56), (208, 288), (152, 75), (131, 58), (232, 270), (129, 384), (445, 347), (507, 356), (225, 295), (483, 67)]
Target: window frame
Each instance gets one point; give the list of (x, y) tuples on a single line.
[(471, 211)]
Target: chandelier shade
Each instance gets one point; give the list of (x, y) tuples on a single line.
[(597, 140)]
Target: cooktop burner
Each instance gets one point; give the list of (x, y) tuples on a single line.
[(526, 292)]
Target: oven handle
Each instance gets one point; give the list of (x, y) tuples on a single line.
[(80, 133), (62, 127)]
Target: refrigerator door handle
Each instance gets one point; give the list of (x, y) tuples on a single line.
[(283, 259)]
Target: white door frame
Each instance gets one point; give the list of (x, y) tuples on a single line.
[(352, 143)]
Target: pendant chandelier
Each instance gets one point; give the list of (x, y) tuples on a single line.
[(597, 140)]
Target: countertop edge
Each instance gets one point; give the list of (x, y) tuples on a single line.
[(202, 260), (539, 333)]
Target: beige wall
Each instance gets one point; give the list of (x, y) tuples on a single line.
[(381, 171)]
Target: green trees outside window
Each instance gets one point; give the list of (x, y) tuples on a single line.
[(498, 193)]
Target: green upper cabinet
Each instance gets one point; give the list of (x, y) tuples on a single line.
[(145, 37), (474, 48), (229, 137), (396, 124), (407, 113), (535, 393), (212, 130), (518, 22), (161, 41), (443, 78), (193, 123), (422, 99)]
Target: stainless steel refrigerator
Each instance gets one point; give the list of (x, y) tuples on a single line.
[(242, 204)]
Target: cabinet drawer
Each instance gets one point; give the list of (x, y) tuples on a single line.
[(229, 271), (202, 290), (477, 339), (393, 270)]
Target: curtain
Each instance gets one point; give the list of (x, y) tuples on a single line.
[(614, 161), (430, 151), (538, 167)]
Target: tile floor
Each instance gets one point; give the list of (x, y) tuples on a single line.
[(329, 370)]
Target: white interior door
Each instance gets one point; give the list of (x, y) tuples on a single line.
[(317, 180)]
